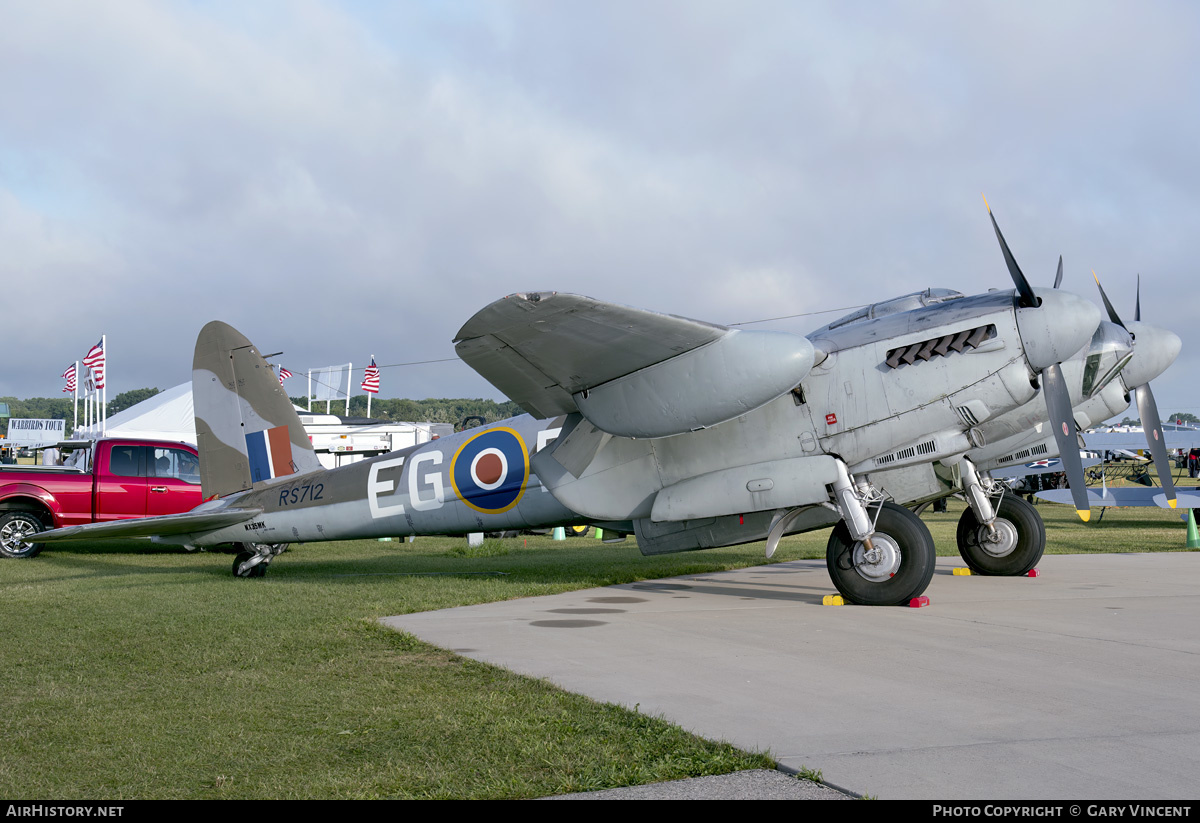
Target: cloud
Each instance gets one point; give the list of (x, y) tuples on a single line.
[(339, 180)]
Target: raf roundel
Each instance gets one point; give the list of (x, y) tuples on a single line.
[(490, 471)]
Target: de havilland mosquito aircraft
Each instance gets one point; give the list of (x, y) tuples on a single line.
[(689, 435)]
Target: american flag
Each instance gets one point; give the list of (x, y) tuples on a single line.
[(370, 381), (284, 374), (95, 362), (69, 374)]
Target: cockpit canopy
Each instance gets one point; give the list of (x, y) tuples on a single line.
[(896, 305)]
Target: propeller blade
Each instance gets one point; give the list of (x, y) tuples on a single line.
[(1058, 277), (1058, 404), (1148, 410), (1028, 298), (1137, 307), (1112, 313)]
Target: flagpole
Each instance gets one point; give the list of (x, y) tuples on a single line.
[(369, 393), (310, 389), (104, 388), (349, 385), (75, 392)]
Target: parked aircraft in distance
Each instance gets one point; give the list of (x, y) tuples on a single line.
[(688, 434)]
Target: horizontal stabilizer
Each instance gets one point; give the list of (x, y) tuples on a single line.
[(630, 372), (1142, 496), (187, 523)]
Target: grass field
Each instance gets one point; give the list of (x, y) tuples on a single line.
[(138, 672)]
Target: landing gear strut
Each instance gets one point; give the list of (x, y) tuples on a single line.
[(1012, 546)]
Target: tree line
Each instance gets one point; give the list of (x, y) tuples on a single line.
[(432, 409), (429, 410)]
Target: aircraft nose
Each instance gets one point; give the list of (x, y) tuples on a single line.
[(1062, 325), (1154, 349)]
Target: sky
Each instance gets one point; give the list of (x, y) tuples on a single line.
[(342, 180)]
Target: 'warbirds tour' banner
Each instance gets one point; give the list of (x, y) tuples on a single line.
[(34, 431)]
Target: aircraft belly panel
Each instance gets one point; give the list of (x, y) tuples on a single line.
[(732, 530), (910, 484), (755, 487), (736, 442)]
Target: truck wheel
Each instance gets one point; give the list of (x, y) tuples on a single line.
[(15, 530)]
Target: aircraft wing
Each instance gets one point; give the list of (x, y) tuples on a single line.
[(630, 372), (1132, 441), (167, 524), (539, 349), (1047, 466), (1128, 496)]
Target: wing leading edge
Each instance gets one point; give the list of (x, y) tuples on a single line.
[(1126, 496)]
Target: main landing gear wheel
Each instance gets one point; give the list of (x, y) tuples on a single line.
[(896, 569), (578, 531), (15, 530), (1016, 546)]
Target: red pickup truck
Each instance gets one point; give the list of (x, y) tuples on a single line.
[(108, 480)]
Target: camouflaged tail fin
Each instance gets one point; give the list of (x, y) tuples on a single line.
[(247, 431)]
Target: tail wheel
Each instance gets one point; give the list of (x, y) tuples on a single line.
[(257, 570), (897, 567), (1013, 549), (15, 530), (578, 531)]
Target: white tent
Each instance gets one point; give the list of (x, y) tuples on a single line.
[(168, 415), (171, 416)]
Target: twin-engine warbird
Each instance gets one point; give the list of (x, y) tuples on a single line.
[(688, 434)]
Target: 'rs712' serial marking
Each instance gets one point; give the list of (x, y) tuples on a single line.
[(288, 497)]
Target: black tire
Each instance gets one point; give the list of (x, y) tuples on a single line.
[(1022, 539), (904, 570), (578, 531), (257, 571), (15, 528)]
